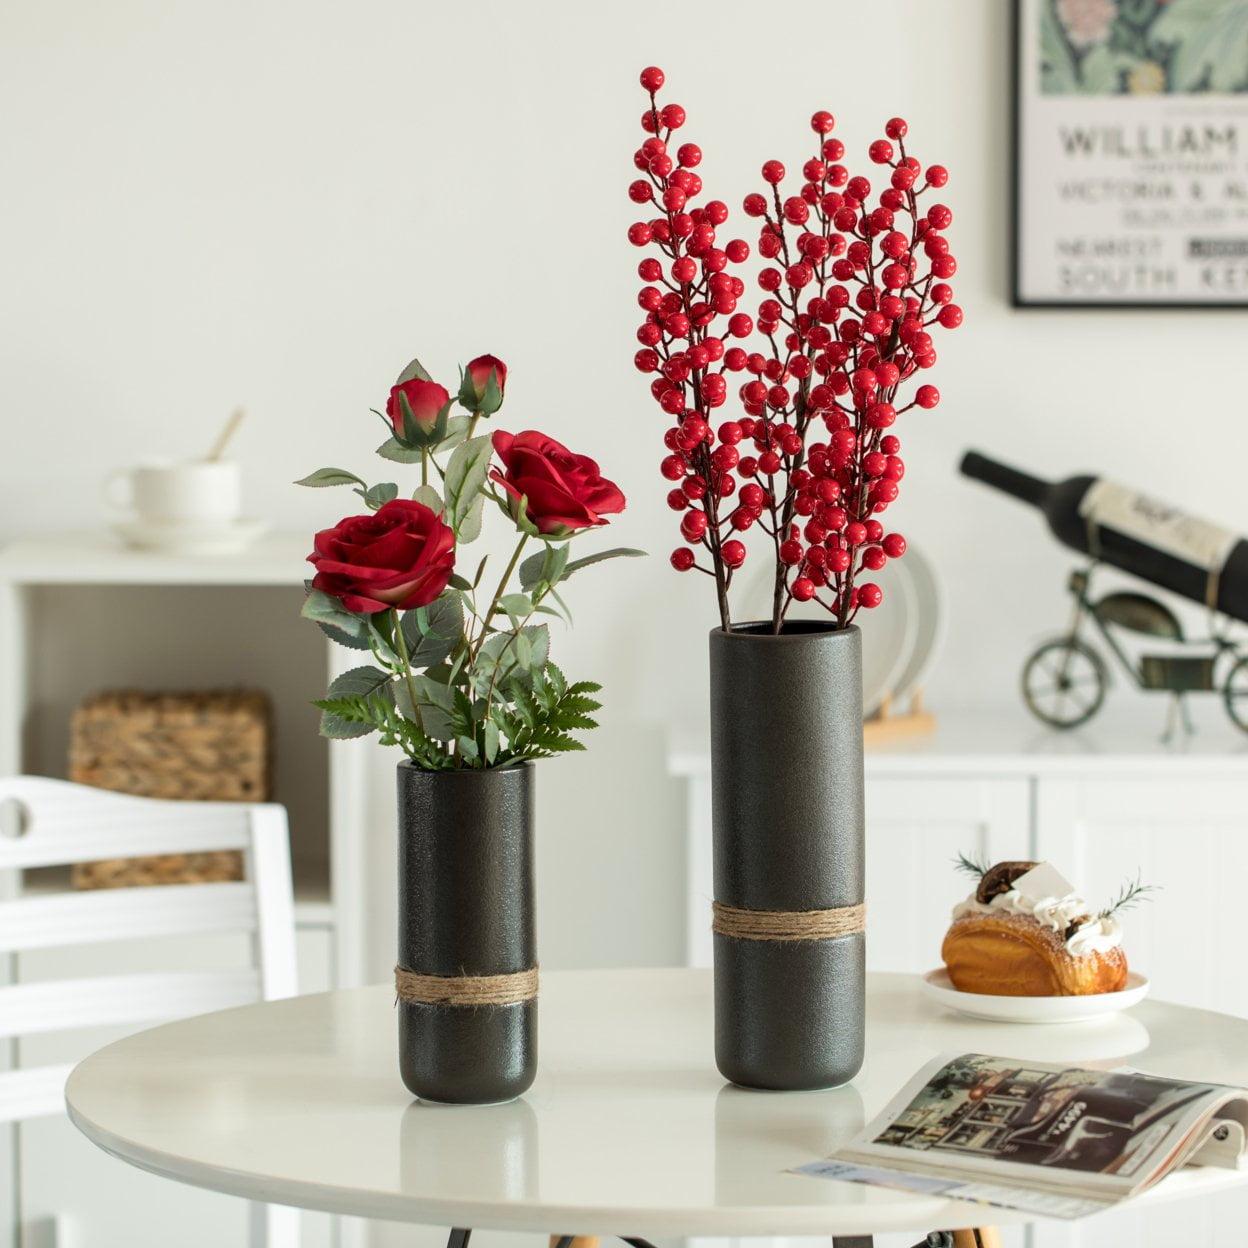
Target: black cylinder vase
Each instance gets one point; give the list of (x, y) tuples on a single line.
[(787, 816), (466, 912)]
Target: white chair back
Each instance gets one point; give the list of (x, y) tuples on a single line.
[(48, 823)]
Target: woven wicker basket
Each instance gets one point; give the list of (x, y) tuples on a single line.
[(187, 746)]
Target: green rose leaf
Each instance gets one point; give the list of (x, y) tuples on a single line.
[(379, 495), (394, 450), (413, 372), (516, 605), (329, 476), (432, 632), (465, 479), (335, 621), (547, 566), (360, 682), (491, 741)]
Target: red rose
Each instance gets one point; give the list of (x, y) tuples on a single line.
[(425, 398), (401, 555), (479, 373), (565, 492)]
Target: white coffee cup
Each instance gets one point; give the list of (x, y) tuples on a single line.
[(202, 492)]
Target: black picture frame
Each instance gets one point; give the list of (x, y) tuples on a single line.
[(1021, 10)]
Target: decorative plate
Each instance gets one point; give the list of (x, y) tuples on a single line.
[(1034, 1009)]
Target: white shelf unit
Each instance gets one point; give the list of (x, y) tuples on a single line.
[(1101, 803), (81, 612)]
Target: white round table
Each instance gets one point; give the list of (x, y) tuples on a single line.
[(629, 1129)]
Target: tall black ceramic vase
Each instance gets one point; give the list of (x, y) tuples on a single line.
[(466, 977), (787, 801)]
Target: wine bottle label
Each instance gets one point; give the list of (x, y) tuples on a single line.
[(1111, 506)]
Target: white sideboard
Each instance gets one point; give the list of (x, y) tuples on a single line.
[(1102, 804)]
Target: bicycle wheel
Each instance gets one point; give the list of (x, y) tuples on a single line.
[(1235, 693), (1064, 683)]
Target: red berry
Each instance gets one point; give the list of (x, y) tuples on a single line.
[(684, 270), (773, 172), (769, 463), (672, 116), (869, 595), (640, 192), (737, 250), (646, 360), (733, 553), (740, 326), (803, 589), (689, 155), (894, 545), (873, 558), (650, 270), (742, 518), (693, 525), (652, 78), (881, 151), (755, 205), (838, 560), (895, 128), (682, 559), (939, 216), (639, 234), (822, 122), (937, 175), (927, 396), (673, 467), (855, 533), (950, 316)]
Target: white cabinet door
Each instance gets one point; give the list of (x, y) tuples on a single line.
[(1188, 836), (916, 827)]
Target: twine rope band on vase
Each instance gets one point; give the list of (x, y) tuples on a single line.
[(465, 990), (788, 925)]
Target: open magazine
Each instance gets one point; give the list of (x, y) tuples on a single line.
[(1044, 1138)]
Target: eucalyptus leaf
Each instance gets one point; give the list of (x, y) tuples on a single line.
[(329, 476), (618, 552)]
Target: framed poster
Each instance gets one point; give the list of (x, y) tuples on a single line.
[(1131, 153)]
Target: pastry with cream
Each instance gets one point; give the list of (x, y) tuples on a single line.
[(1025, 932)]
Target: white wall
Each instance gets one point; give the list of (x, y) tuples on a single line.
[(277, 204)]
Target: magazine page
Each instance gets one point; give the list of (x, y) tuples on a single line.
[(1048, 1138)]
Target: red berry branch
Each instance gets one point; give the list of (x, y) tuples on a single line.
[(851, 293)]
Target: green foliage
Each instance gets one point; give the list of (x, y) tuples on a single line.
[(1129, 896), (541, 719), (464, 483), (323, 477), (974, 867)]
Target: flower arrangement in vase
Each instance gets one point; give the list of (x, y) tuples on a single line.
[(462, 680), (854, 282)]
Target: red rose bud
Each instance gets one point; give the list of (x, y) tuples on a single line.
[(414, 408), (564, 492), (485, 379), (401, 555)]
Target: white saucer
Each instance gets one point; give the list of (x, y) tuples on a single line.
[(1034, 1009), (190, 539)]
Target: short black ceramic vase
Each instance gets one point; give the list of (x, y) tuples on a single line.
[(466, 909), (787, 817)]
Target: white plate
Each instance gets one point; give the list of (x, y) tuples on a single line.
[(1034, 1009), (929, 621), (190, 539), (889, 631)]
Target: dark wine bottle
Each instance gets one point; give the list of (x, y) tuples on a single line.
[(1131, 531)]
